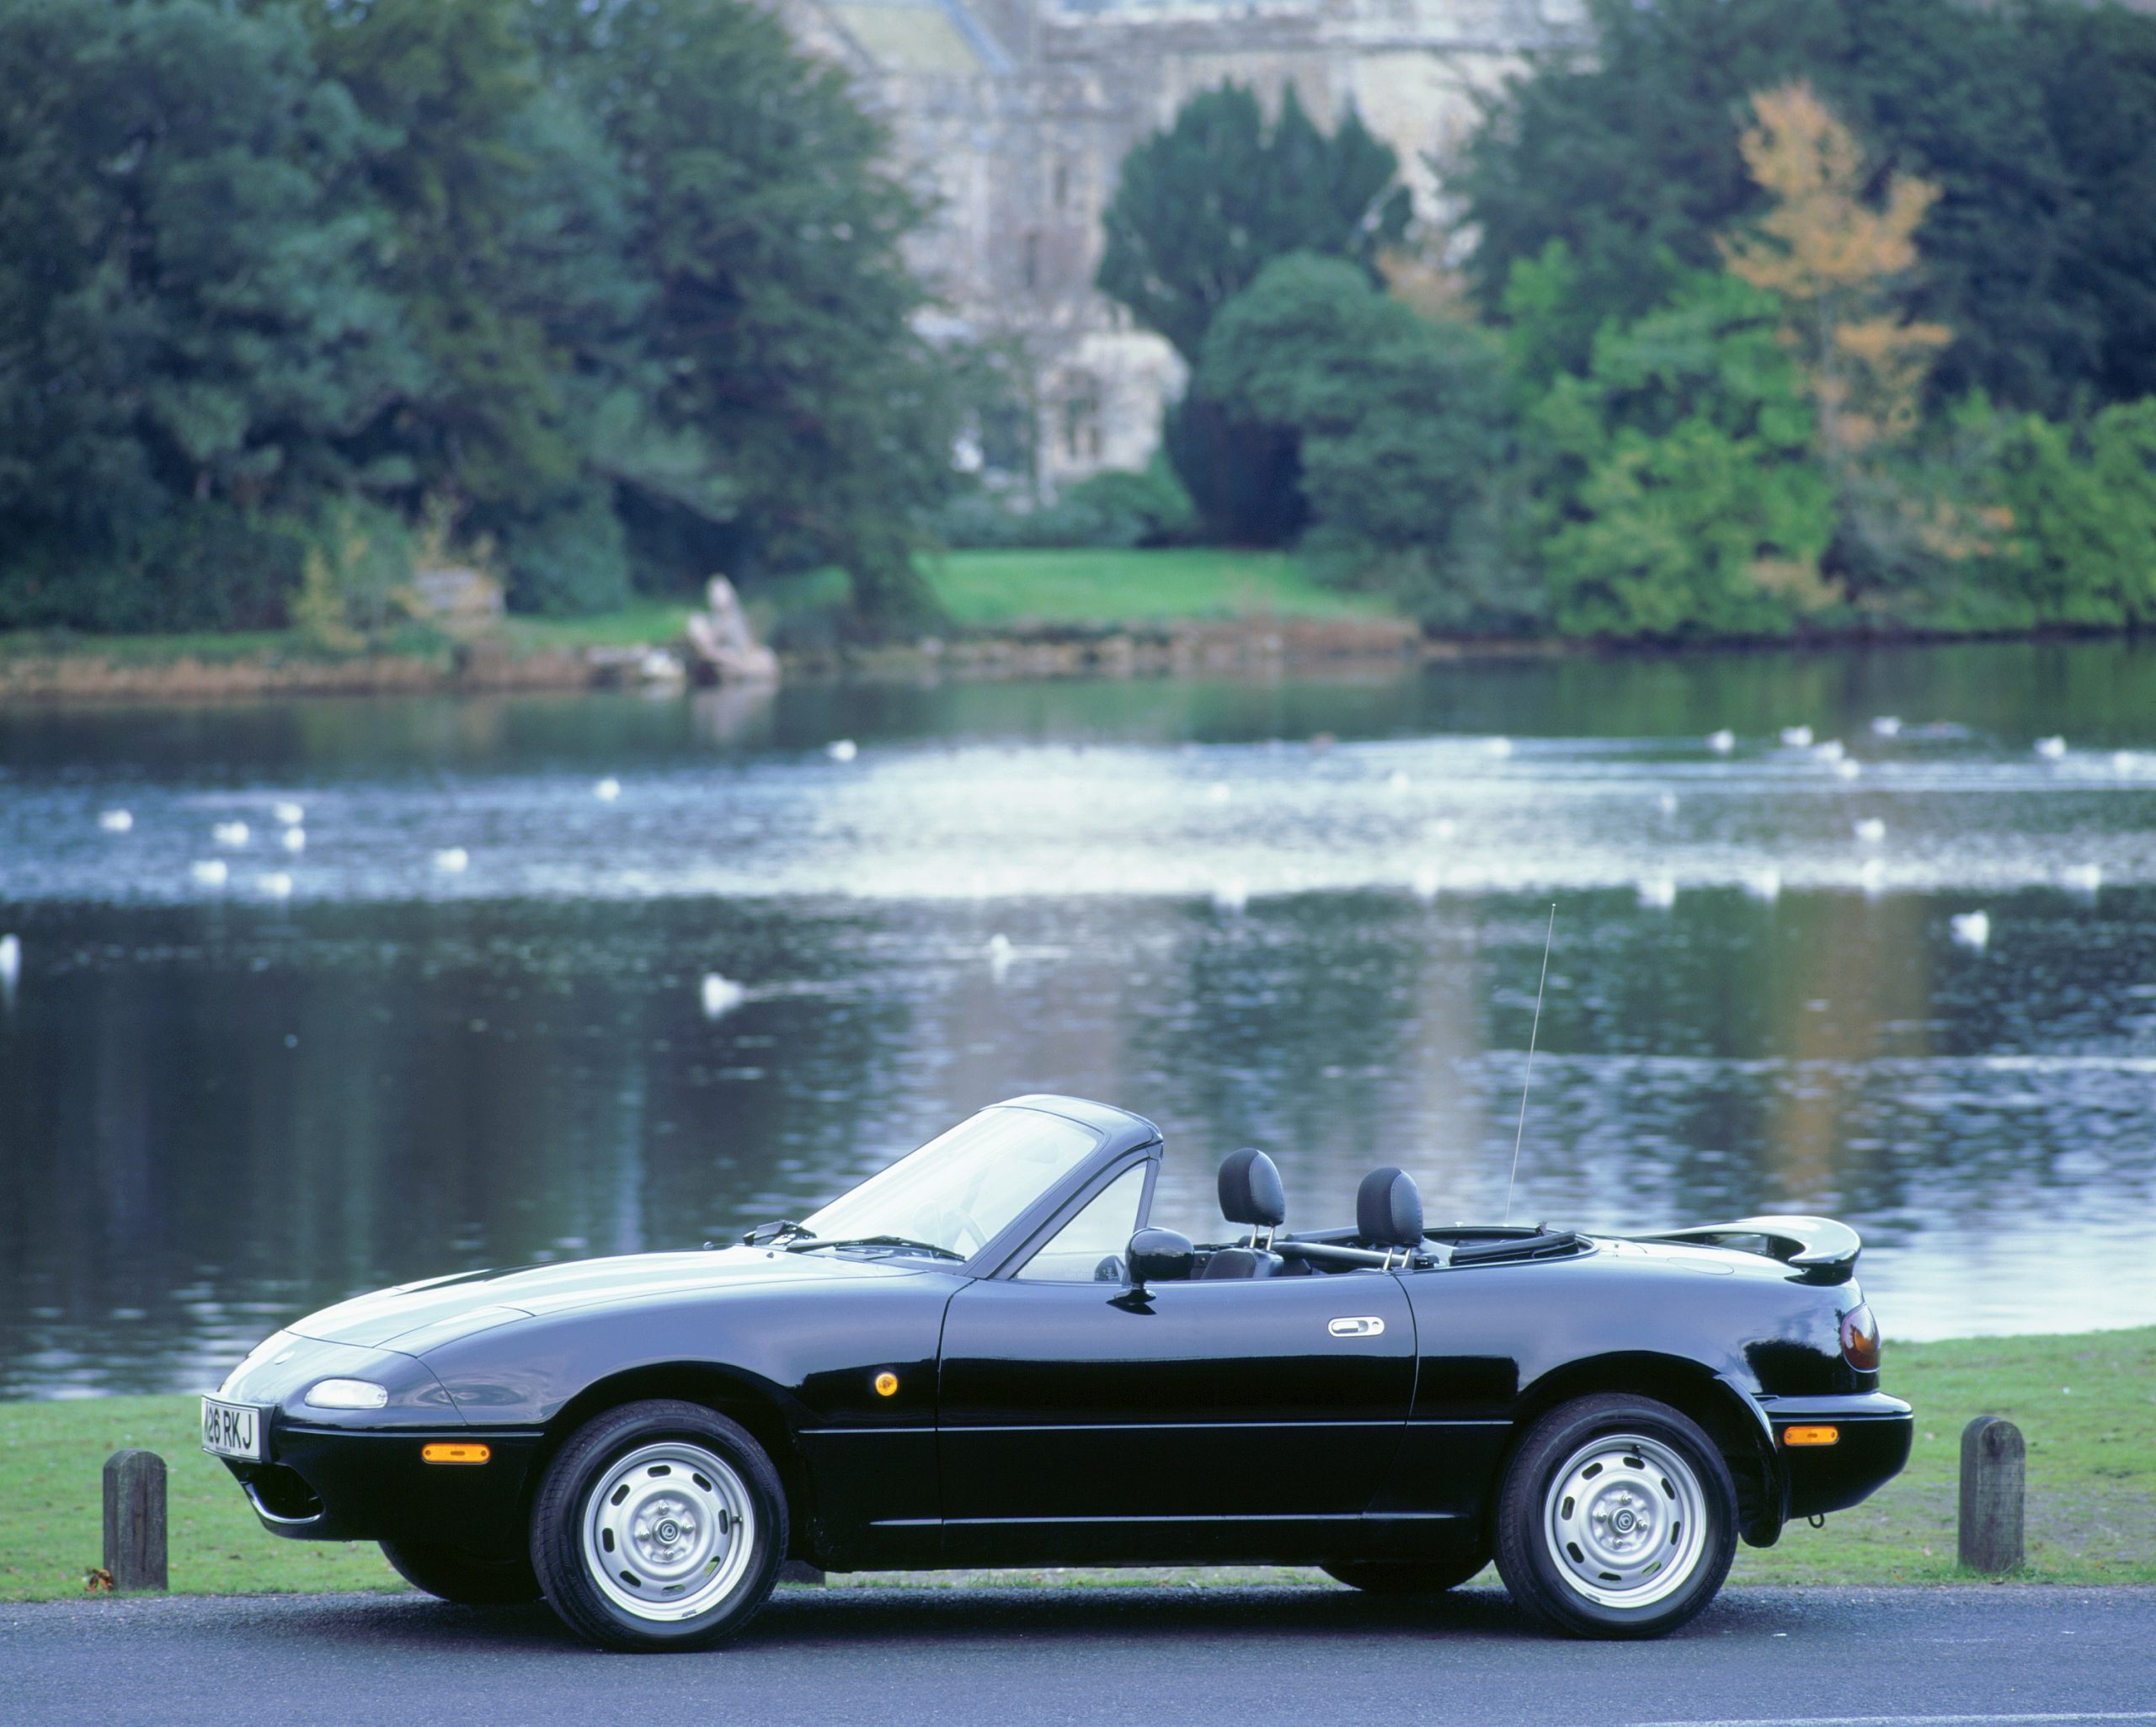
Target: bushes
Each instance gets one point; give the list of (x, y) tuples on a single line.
[(1112, 509)]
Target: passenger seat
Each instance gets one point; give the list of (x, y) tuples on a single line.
[(1388, 1212), (1251, 1193)]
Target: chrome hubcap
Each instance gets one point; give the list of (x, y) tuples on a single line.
[(668, 1531), (1626, 1521)]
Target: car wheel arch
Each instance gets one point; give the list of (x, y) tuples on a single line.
[(1731, 1419), (757, 1406)]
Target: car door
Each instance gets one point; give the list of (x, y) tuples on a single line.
[(1251, 1417)]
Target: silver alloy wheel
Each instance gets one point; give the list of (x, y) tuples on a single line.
[(1626, 1521), (668, 1531)]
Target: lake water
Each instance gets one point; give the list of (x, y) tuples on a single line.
[(1305, 913)]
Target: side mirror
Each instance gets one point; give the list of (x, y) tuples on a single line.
[(1159, 1256)]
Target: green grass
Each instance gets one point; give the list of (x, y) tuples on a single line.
[(2087, 1404), (991, 590)]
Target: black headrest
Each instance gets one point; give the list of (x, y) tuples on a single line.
[(1389, 1209), (1250, 1189)]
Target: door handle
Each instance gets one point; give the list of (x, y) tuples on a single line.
[(1364, 1325)]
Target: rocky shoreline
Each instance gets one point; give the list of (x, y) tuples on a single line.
[(487, 665)]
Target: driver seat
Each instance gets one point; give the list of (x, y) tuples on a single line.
[(1251, 1193)]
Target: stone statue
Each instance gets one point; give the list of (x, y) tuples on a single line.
[(726, 649)]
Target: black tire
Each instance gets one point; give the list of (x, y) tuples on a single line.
[(1406, 1576), (638, 1530), (464, 1577), (1650, 1515)]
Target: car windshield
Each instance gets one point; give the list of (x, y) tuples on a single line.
[(959, 1191)]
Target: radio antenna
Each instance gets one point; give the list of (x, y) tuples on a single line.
[(1533, 1031)]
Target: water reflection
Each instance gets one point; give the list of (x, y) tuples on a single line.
[(224, 1109)]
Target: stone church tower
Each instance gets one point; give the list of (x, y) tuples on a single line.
[(1014, 115)]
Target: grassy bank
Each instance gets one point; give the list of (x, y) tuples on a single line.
[(2086, 1403), (1099, 589)]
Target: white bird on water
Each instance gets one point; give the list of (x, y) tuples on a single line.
[(845, 749), (1871, 831), (1886, 725), (1971, 928), (1231, 896), (1722, 742), (295, 840), (1398, 782), (1764, 884), (210, 871), (1659, 892), (232, 834), (453, 860), (1218, 792), (999, 951), (1848, 768), (1797, 737), (1832, 749), (11, 961), (1498, 747), (1425, 885), (719, 994), (2083, 878), (289, 813), (277, 884), (2050, 748), (1873, 875), (607, 790), (115, 821), (1667, 803)]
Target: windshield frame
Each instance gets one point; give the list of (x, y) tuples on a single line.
[(1116, 1133)]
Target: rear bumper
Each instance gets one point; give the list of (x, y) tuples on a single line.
[(1872, 1443), (342, 1484)]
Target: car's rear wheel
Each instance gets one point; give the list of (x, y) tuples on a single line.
[(1618, 1518), (464, 1578), (660, 1526), (1407, 1576)]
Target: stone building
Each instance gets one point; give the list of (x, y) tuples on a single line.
[(1014, 115)]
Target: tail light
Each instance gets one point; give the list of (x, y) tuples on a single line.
[(1860, 1339)]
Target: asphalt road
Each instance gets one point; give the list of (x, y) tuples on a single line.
[(1136, 1658)]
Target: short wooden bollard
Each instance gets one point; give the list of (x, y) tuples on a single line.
[(135, 1519), (1994, 1484)]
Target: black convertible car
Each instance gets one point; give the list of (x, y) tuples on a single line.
[(982, 1355)]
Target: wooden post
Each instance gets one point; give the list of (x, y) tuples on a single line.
[(135, 1519), (1993, 1480)]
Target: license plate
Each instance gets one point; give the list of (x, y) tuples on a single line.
[(232, 1430)]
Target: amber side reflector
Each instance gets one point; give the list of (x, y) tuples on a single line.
[(887, 1384), (1812, 1436), (455, 1453)]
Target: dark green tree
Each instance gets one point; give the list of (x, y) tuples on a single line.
[(1629, 157), (1400, 429), (770, 231), (1201, 208), (1198, 210), (192, 320)]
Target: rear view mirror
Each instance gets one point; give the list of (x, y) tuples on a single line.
[(1159, 1256)]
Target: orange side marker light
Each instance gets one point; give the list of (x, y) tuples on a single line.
[(455, 1453), (1812, 1436), (886, 1383)]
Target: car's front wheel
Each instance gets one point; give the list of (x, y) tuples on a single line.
[(660, 1526), (464, 1577), (1618, 1518)]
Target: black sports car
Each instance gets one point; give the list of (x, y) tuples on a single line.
[(982, 1355)]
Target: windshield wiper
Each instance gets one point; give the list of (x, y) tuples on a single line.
[(901, 1241), (764, 1234)]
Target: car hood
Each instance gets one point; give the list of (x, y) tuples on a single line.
[(414, 1318)]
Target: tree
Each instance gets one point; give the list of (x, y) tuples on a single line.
[(1674, 489), (1629, 155), (1199, 210), (2082, 509), (192, 321), (1398, 424), (763, 215)]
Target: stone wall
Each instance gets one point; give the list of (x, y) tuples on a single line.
[(1013, 116)]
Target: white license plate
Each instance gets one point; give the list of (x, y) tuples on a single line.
[(232, 1430)]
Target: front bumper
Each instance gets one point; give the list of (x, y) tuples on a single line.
[(1872, 1443), (321, 1484)]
